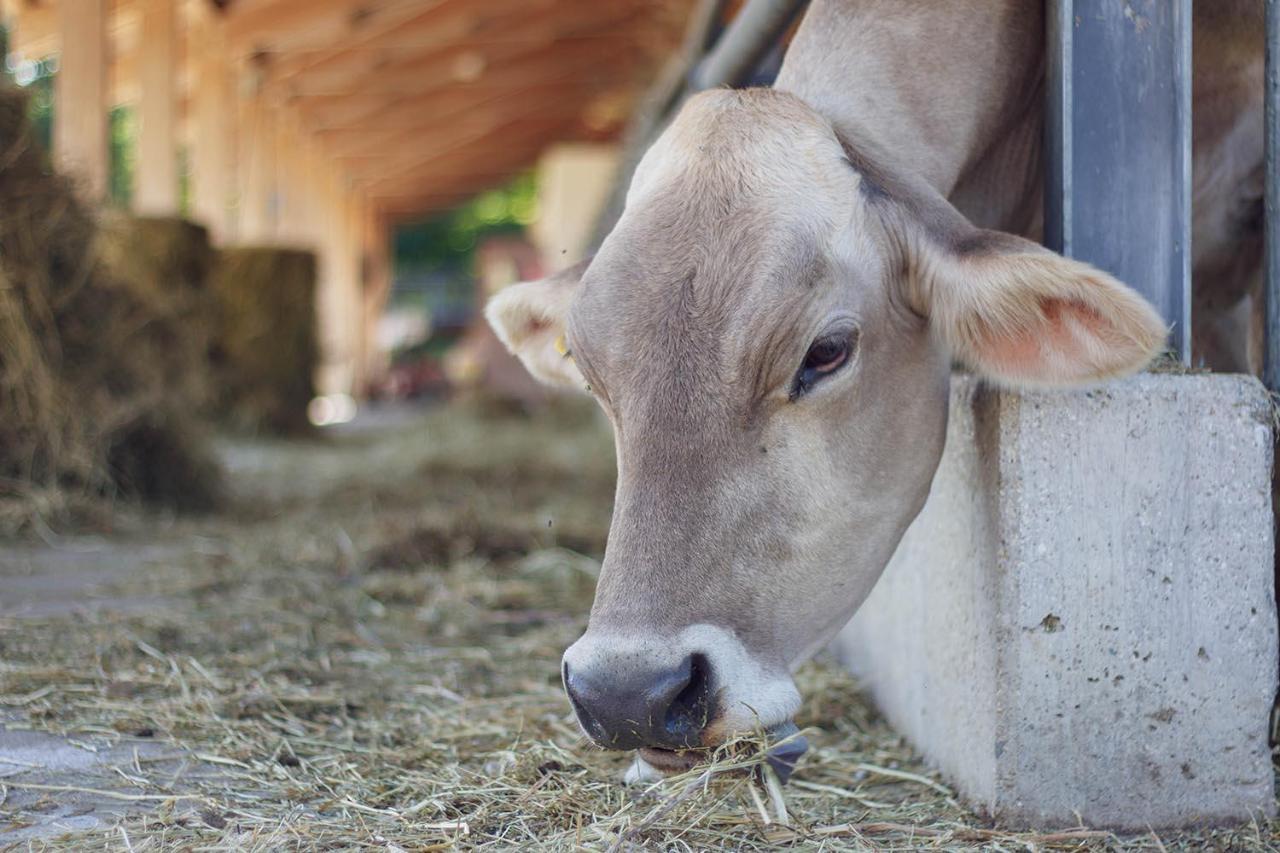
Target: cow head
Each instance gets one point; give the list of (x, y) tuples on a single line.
[(770, 329)]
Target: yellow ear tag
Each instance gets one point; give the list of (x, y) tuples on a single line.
[(562, 347)]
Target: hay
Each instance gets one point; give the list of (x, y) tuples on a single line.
[(347, 704), (265, 347), (96, 389)]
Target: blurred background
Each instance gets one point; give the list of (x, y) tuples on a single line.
[(266, 217), (269, 216)]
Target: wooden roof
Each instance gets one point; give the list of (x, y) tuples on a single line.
[(421, 103)]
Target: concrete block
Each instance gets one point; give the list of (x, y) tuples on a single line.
[(1081, 624)]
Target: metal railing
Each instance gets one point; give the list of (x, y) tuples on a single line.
[(1271, 326), (1118, 147)]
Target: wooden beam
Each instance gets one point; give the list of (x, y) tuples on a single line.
[(463, 61), (291, 25), (157, 171), (493, 151), (470, 141), (436, 25), (80, 106), (422, 129)]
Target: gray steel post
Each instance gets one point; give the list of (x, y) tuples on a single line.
[(1271, 348), (1118, 146), (755, 29)]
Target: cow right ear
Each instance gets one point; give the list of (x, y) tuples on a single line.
[(529, 319)]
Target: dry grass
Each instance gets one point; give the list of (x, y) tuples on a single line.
[(369, 655), (265, 350), (99, 380)]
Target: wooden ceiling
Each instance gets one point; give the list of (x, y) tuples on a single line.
[(422, 103)]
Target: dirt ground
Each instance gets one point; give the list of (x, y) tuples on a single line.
[(362, 653)]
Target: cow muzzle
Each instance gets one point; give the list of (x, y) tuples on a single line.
[(676, 700), (666, 707)]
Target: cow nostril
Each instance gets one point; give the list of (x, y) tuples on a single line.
[(621, 709), (573, 689), (690, 711)]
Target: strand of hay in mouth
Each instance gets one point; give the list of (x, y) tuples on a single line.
[(265, 345), (97, 383)]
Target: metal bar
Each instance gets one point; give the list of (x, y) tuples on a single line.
[(1058, 127), (657, 106), (1118, 191), (745, 42), (1271, 343)]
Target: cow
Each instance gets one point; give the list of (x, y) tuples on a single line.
[(771, 326)]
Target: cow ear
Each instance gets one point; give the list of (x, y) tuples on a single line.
[(1024, 316), (529, 319)]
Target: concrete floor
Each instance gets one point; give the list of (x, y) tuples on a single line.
[(63, 784)]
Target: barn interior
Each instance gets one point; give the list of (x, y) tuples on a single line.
[(290, 546)]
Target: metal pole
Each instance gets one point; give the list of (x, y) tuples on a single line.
[(745, 42), (1118, 146), (1058, 127), (1271, 343)]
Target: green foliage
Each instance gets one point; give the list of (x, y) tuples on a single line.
[(37, 77), (445, 244), (41, 95), (123, 136)]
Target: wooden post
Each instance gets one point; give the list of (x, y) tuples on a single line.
[(214, 121), (375, 272), (257, 172), (80, 105), (292, 179), (157, 190), (332, 378)]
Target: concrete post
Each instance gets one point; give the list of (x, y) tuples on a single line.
[(80, 145), (1081, 624), (157, 189)]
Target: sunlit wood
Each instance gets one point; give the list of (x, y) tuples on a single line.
[(80, 123), (157, 171), (214, 117)]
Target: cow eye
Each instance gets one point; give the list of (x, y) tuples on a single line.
[(826, 355)]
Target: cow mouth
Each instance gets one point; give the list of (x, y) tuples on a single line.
[(783, 756), (671, 761)]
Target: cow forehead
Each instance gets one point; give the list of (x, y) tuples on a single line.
[(725, 243), (713, 270), (735, 145)]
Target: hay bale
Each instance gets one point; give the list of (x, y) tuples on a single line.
[(265, 346), (88, 355), (166, 264)]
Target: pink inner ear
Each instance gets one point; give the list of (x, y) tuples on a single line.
[(1058, 345)]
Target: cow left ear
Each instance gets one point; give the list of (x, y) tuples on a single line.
[(1024, 316), (529, 319)]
